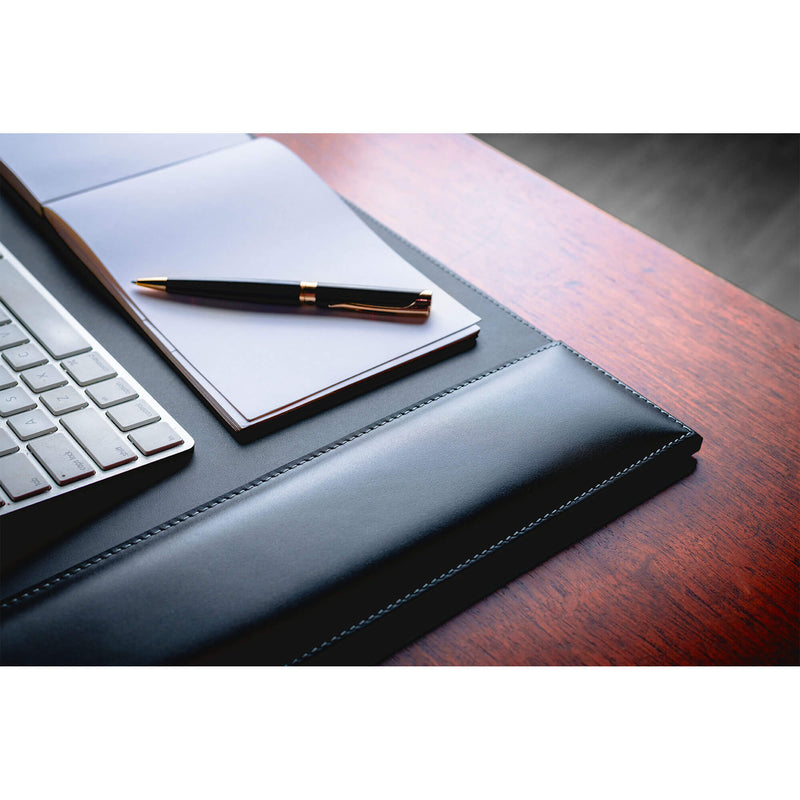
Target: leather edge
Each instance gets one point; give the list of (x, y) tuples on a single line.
[(693, 442), (391, 234), (26, 596), (487, 551)]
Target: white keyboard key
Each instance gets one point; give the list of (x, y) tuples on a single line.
[(88, 368), (58, 336), (13, 401), (132, 415), (27, 355), (54, 380), (11, 336), (7, 380), (63, 400), (40, 379), (7, 444), (155, 438), (59, 456), (20, 478), (111, 392), (31, 424), (98, 439)]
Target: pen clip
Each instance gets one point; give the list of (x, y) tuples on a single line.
[(421, 307)]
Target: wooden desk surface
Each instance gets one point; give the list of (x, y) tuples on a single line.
[(707, 571)]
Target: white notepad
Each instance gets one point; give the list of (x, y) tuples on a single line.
[(53, 165), (249, 210)]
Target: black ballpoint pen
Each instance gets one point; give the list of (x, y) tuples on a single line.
[(366, 299)]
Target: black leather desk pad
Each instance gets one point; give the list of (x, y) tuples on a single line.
[(319, 557), (220, 463)]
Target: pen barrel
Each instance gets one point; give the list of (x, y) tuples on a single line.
[(365, 299), (285, 293), (367, 296)]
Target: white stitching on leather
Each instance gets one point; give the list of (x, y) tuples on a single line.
[(478, 556), (18, 598), (482, 554)]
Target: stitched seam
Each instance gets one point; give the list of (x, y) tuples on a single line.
[(15, 600), (480, 555), (450, 272), (627, 388), (508, 311)]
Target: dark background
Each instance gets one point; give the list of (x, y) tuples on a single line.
[(729, 202)]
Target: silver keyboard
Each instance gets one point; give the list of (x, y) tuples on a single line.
[(70, 414)]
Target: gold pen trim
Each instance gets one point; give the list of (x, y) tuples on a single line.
[(421, 307), (308, 293), (152, 283)]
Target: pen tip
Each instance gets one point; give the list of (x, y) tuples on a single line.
[(151, 283)]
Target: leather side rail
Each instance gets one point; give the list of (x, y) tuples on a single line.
[(320, 549)]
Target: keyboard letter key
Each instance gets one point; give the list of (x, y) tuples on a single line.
[(31, 424), (40, 379), (60, 401), (24, 356), (13, 401)]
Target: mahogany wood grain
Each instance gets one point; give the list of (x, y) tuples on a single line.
[(707, 571)]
